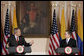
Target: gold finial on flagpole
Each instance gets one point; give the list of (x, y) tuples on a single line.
[(73, 5), (55, 5)]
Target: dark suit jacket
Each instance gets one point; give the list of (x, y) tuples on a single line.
[(13, 43), (71, 43)]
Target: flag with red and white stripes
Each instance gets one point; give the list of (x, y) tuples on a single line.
[(54, 42), (6, 34)]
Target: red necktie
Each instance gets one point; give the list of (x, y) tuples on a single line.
[(17, 39)]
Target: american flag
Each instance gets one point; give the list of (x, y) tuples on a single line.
[(54, 39), (6, 34), (72, 28)]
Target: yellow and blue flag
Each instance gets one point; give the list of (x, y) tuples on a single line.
[(79, 32), (75, 35), (63, 25), (14, 22)]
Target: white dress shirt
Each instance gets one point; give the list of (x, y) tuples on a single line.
[(16, 38), (67, 40)]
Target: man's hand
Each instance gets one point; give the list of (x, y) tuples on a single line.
[(7, 45), (32, 42)]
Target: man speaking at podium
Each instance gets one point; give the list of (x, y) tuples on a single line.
[(17, 39), (68, 41)]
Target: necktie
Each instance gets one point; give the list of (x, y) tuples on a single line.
[(17, 39)]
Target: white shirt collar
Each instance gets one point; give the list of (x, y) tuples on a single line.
[(68, 39), (16, 36)]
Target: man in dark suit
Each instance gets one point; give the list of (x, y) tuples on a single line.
[(17, 39), (68, 41)]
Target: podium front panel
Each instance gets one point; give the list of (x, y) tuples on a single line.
[(13, 49), (61, 50)]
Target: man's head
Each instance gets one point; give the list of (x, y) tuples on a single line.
[(17, 31), (67, 34)]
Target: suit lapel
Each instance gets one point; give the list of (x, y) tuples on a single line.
[(15, 40), (65, 43)]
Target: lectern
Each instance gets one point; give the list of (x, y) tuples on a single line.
[(62, 51), (13, 50)]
